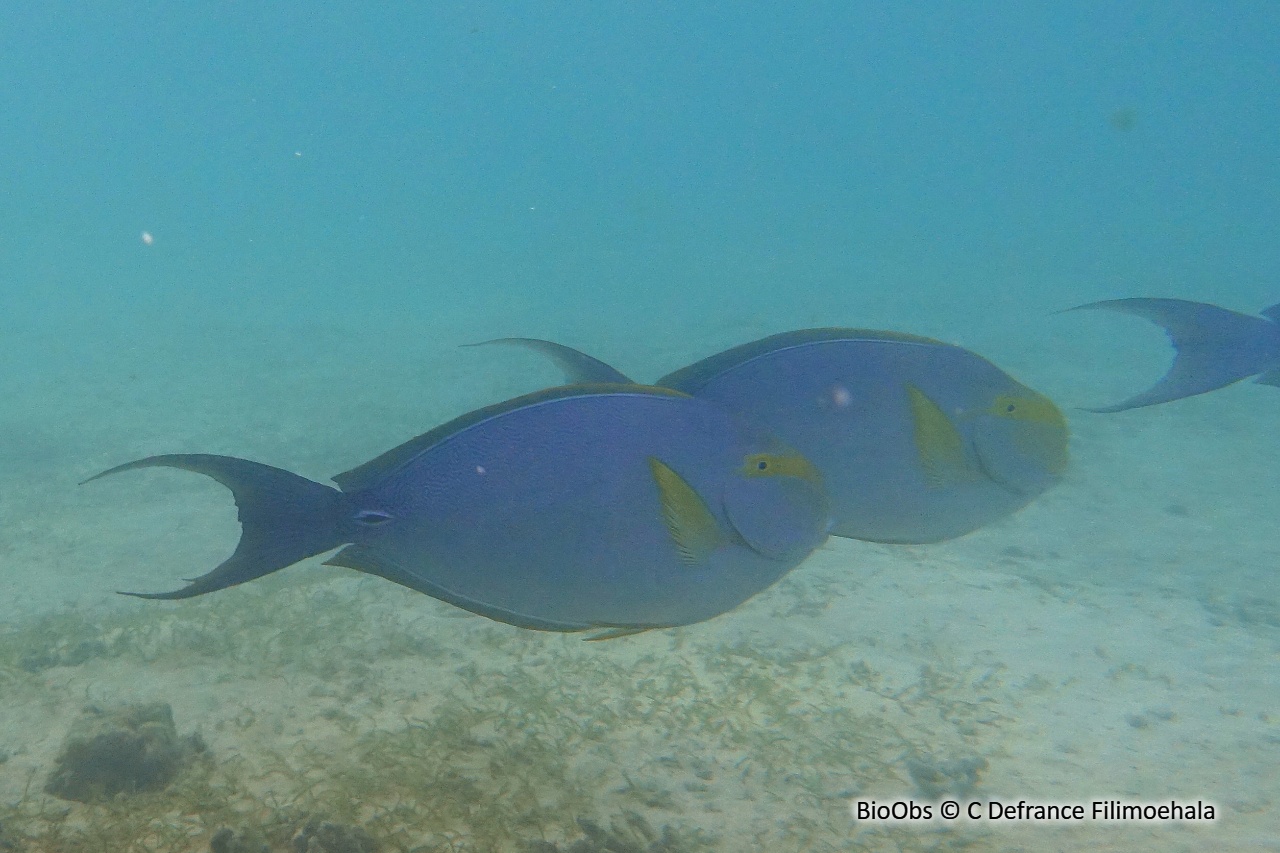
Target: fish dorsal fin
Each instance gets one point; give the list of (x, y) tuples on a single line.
[(692, 526), (692, 378), (364, 476), (1271, 377), (938, 442), (578, 367), (1272, 313)]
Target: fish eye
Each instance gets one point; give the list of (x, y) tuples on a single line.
[(1011, 408), (775, 465), (762, 465)]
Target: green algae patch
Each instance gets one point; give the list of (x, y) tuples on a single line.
[(404, 725)]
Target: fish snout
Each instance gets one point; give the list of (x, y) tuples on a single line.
[(783, 518), (1023, 458)]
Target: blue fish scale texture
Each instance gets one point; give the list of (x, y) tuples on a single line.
[(551, 511)]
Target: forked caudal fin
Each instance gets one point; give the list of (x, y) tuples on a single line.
[(1215, 347), (284, 518)]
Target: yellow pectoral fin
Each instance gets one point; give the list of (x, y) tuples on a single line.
[(690, 523), (938, 443)]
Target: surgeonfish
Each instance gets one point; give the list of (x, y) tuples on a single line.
[(1215, 347), (613, 508), (917, 440)]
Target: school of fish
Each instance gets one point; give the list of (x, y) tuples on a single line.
[(611, 507)]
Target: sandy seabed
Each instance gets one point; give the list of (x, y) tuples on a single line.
[(1116, 640)]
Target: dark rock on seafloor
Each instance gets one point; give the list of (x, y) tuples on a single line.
[(228, 840), (324, 837), (123, 750), (934, 776)]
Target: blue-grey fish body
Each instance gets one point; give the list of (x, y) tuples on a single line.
[(1215, 347), (917, 440), (611, 507)]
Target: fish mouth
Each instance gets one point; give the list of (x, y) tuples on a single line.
[(1003, 482)]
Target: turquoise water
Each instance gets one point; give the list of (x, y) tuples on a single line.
[(265, 229)]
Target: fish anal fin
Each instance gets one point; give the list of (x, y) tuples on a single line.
[(1272, 313), (369, 560), (614, 632), (693, 528)]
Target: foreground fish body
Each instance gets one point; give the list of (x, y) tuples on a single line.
[(917, 440), (619, 508), (1215, 347)]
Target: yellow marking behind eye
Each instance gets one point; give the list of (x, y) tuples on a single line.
[(1047, 440), (1036, 410), (780, 465)]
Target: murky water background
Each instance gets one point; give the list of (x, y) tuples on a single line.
[(335, 199)]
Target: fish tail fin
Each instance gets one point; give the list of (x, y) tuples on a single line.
[(1215, 347), (579, 368), (284, 518)]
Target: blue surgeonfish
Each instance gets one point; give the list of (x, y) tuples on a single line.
[(917, 440), (614, 508), (1215, 347)]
